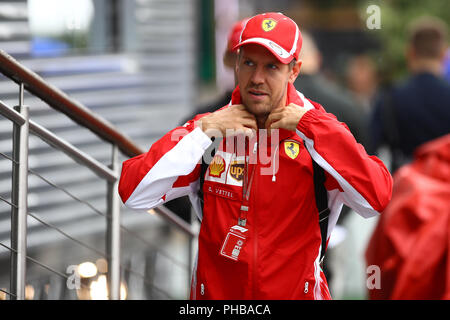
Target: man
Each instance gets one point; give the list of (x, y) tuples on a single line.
[(260, 236), (418, 110)]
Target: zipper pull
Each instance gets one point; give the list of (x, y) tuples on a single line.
[(306, 287)]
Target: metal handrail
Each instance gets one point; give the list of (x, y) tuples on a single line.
[(52, 139), (60, 101), (84, 117)]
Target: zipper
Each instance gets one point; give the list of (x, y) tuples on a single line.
[(255, 251), (255, 233)]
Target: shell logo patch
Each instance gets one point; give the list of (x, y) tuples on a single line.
[(292, 149), (217, 166), (268, 24), (237, 170)]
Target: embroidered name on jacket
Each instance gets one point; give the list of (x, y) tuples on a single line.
[(221, 191)]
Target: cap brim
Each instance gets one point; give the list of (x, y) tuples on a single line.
[(282, 55)]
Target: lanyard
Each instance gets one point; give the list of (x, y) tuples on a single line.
[(246, 189)]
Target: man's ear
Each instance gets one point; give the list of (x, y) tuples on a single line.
[(236, 62), (295, 71)]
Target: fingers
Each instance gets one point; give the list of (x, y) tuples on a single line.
[(272, 119), (249, 123), (241, 117), (247, 132), (286, 117), (243, 112), (248, 128), (238, 106), (280, 124), (232, 121)]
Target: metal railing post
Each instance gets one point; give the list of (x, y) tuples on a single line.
[(113, 230), (19, 199)]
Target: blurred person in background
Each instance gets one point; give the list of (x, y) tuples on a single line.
[(336, 100), (229, 61), (418, 109), (410, 244), (362, 80), (263, 232)]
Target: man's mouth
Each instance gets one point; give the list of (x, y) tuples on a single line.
[(257, 93)]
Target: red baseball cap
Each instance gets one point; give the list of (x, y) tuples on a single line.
[(276, 32), (235, 34)]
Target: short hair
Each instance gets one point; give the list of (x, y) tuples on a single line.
[(428, 37), (292, 64)]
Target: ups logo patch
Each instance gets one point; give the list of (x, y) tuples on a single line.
[(237, 170)]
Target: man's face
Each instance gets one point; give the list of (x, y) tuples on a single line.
[(262, 79)]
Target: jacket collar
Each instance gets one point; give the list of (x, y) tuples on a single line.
[(292, 97)]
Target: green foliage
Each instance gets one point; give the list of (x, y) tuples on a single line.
[(396, 16)]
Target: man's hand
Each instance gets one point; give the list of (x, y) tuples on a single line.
[(235, 119), (286, 117)]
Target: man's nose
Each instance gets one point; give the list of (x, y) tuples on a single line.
[(258, 76)]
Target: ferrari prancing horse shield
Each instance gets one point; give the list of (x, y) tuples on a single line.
[(292, 149)]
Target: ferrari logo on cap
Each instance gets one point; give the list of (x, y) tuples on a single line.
[(268, 24), (292, 149)]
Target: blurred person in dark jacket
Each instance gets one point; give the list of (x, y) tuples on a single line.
[(362, 80), (336, 100), (418, 109)]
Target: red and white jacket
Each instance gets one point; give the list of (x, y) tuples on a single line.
[(280, 258)]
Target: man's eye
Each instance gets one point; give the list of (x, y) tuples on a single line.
[(248, 63), (272, 66)]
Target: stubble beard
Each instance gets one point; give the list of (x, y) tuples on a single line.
[(261, 110)]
